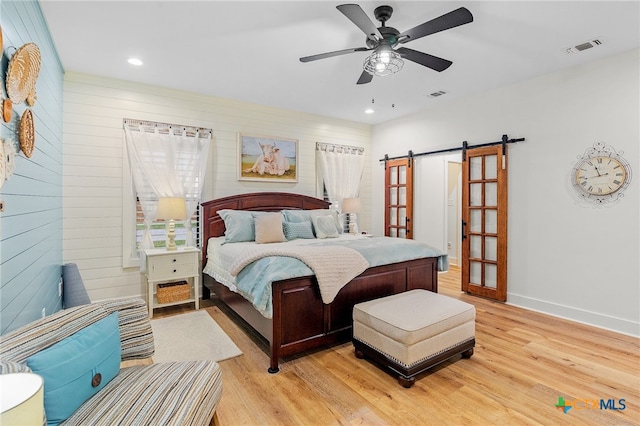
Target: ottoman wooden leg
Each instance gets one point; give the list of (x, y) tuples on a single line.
[(467, 353), (359, 353), (406, 382)]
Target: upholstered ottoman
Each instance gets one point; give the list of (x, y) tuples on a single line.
[(411, 332)]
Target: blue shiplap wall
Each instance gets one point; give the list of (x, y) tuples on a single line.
[(31, 223)]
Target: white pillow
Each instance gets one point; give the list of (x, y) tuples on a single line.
[(269, 228), (324, 226)]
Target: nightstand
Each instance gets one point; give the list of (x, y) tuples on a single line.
[(159, 266)]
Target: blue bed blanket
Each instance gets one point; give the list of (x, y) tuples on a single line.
[(254, 281)]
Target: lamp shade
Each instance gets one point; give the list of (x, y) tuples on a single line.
[(351, 205), (21, 399), (172, 208)]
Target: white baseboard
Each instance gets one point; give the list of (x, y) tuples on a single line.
[(619, 325)]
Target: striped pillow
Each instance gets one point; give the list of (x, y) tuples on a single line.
[(293, 230)]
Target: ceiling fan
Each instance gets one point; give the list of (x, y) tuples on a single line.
[(385, 59)]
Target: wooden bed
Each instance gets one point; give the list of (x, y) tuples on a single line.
[(301, 321)]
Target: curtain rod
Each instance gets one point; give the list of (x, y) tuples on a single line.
[(505, 140), (319, 146), (163, 126)]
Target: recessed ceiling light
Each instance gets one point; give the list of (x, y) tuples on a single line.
[(134, 61), (368, 111)]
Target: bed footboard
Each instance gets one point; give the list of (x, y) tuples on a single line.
[(301, 321)]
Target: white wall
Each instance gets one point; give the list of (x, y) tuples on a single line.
[(94, 108), (563, 258)]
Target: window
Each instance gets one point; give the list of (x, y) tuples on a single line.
[(167, 159)]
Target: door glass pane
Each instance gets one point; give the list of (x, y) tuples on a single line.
[(393, 175), (402, 233), (475, 251), (491, 221), (475, 168), (403, 175), (393, 216), (402, 216), (393, 232), (393, 196), (491, 248), (491, 167), (403, 196), (475, 273), (475, 216), (491, 194), (475, 194), (490, 275)]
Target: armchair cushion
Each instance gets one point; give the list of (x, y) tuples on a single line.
[(77, 367)]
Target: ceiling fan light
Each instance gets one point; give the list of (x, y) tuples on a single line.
[(383, 62)]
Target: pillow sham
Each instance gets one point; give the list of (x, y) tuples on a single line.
[(78, 367), (324, 226), (239, 225), (293, 230), (269, 228)]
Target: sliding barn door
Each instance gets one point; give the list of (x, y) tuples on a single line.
[(398, 200), (484, 222)]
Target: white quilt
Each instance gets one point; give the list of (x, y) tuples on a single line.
[(333, 266)]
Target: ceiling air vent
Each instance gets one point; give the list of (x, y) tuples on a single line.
[(584, 46), (438, 93)]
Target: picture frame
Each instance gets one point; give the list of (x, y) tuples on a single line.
[(267, 159)]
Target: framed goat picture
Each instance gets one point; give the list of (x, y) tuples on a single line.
[(264, 158)]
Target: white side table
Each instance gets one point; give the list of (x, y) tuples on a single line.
[(162, 266), (21, 399)]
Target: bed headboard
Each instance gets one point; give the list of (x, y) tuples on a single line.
[(213, 225)]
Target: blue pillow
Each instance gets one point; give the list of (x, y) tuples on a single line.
[(239, 226), (293, 230), (307, 215), (77, 367)]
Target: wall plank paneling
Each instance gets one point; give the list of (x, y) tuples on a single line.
[(94, 108), (31, 224)]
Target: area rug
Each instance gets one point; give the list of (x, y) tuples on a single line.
[(191, 336)]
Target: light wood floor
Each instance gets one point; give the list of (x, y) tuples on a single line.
[(523, 362)]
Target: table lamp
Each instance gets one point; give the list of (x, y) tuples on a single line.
[(352, 206), (172, 208)]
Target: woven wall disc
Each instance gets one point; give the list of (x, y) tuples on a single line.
[(22, 73), (27, 133)]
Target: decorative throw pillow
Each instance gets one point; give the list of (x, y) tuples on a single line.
[(324, 226), (239, 225), (269, 228), (77, 367), (293, 230), (306, 215)]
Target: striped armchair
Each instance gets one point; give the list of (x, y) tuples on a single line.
[(174, 393)]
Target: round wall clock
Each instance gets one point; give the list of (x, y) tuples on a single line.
[(601, 174)]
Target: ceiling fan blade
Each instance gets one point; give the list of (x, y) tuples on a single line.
[(365, 78), (331, 54), (362, 21), (452, 19), (425, 59)]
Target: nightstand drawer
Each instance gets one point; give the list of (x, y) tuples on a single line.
[(169, 271)]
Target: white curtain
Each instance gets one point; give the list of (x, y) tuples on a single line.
[(340, 168), (166, 161)]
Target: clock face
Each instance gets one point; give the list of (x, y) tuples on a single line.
[(600, 175)]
